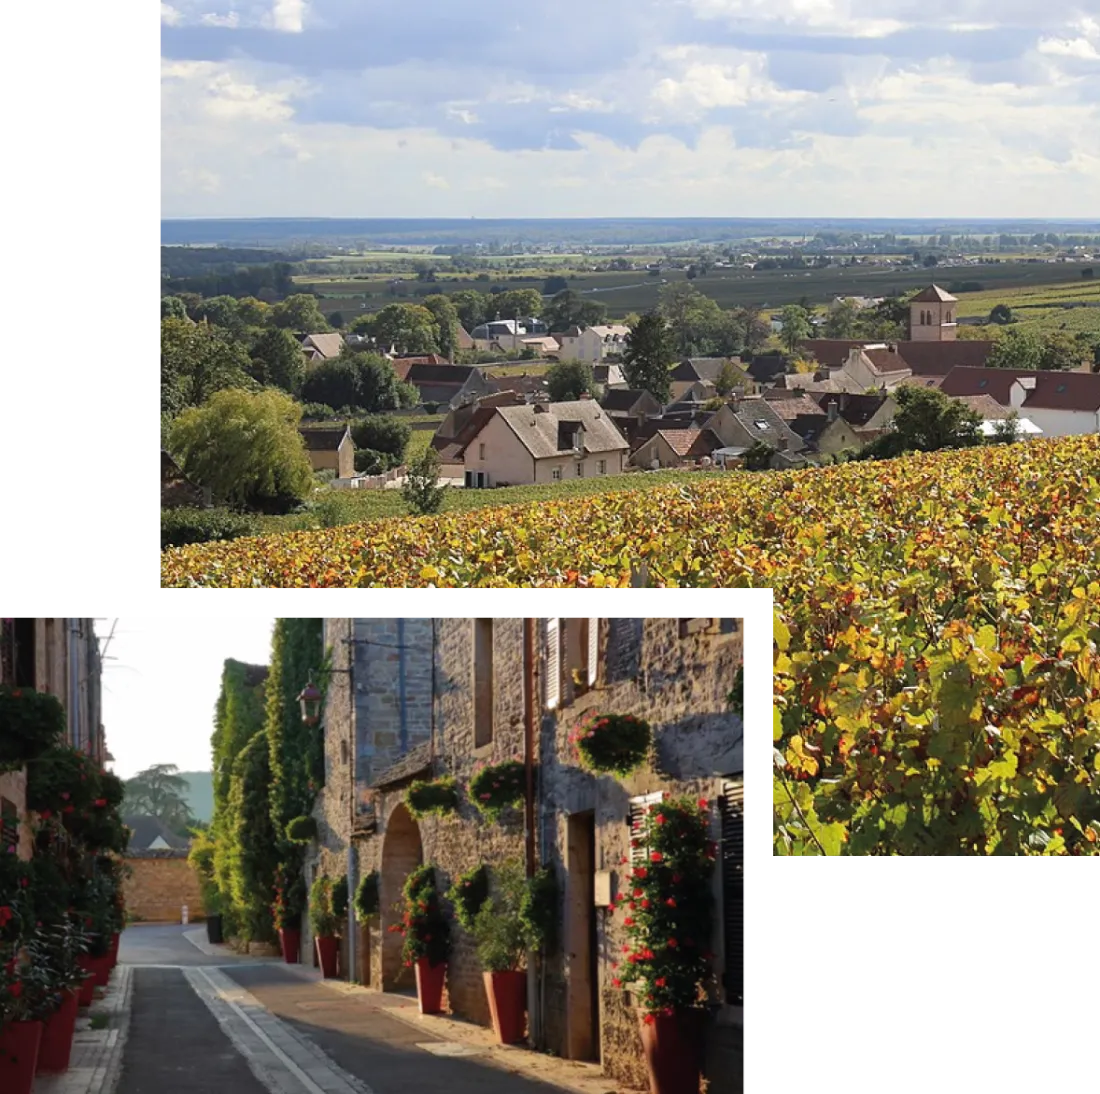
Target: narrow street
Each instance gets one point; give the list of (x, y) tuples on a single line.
[(201, 1021)]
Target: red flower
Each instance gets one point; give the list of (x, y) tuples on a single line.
[(5, 915), (64, 795), (676, 877), (671, 902), (626, 949), (660, 981), (672, 943), (660, 818), (649, 1019), (628, 922), (639, 892), (616, 981), (655, 856), (645, 903), (647, 953), (100, 802), (641, 871), (67, 809), (16, 989)]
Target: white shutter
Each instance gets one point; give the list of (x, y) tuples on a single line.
[(638, 808), (553, 665), (593, 650)]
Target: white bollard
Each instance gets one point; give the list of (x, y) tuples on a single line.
[(183, 914)]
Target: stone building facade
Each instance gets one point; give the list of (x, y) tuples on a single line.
[(61, 657), (427, 698), (159, 884)]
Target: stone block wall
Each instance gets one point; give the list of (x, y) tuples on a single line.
[(158, 885), (13, 787)]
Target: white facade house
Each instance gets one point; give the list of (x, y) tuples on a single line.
[(593, 344)]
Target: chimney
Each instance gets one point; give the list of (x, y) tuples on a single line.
[(735, 401), (542, 406), (781, 444), (586, 395), (832, 411)]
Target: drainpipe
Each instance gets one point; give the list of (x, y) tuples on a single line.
[(353, 765), (404, 730), (75, 719), (530, 718)]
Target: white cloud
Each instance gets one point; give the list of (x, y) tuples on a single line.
[(1080, 48), (824, 16), (212, 19), (287, 15), (170, 15), (437, 182)]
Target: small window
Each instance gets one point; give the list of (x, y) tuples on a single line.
[(602, 467), (556, 473), (580, 469), (733, 892), (481, 451), (760, 424), (552, 690), (638, 808), (729, 626), (343, 751), (694, 626), (9, 823), (483, 682)]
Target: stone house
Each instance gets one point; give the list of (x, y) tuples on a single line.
[(61, 657), (593, 344), (741, 423), (421, 698), (675, 448), (159, 882), (322, 347), (329, 449)]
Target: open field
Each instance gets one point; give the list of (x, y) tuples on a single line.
[(629, 291), (1070, 306)]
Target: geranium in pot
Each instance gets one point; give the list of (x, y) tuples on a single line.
[(668, 915), (290, 899), (20, 1020), (502, 949), (427, 932), (54, 949), (440, 796), (612, 744), (324, 924), (496, 787)]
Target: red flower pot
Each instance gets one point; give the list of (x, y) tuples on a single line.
[(291, 942), (57, 1035), (18, 1056), (87, 988), (507, 993), (102, 969), (328, 949), (673, 1046), (429, 985), (114, 949)]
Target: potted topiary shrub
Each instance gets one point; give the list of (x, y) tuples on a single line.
[(366, 896), (612, 744), (427, 934), (323, 923), (301, 829), (669, 920), (33, 723), (502, 949), (286, 913), (440, 796), (468, 893), (495, 787)]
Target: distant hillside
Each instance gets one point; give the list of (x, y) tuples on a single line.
[(201, 795)]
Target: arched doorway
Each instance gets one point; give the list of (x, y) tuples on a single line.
[(401, 854)]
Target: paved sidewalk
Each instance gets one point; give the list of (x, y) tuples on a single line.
[(96, 1059)]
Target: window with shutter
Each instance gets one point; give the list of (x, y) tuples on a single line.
[(638, 808), (553, 665), (732, 849), (9, 823), (593, 651)]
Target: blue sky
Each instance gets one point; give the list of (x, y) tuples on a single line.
[(630, 108), (161, 682)]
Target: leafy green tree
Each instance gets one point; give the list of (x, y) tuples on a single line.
[(253, 312), (759, 457), (1017, 347), (408, 328), (1061, 352), (795, 326), (554, 285), (691, 317), (382, 433), (195, 361), (472, 307), (222, 312), (926, 421), (281, 360), (728, 379), (570, 309), (516, 303), (649, 356), (364, 381), (1001, 314), (171, 307), (300, 313), (751, 328), (446, 321), (159, 792), (842, 320), (254, 841), (421, 489), (246, 448), (569, 380)]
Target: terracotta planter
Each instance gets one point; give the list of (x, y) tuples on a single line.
[(102, 969), (507, 993), (18, 1056), (429, 985), (673, 1046), (57, 1035), (114, 949), (87, 988), (327, 950), (214, 929), (291, 942)]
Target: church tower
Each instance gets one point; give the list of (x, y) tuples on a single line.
[(932, 316)]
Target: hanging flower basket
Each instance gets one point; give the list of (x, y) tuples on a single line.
[(439, 796), (30, 723), (495, 788), (612, 744), (62, 781), (366, 896), (426, 928), (468, 894)]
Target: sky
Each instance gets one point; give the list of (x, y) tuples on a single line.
[(161, 680), (630, 108)]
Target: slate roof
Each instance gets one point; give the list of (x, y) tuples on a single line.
[(690, 442), (538, 430), (939, 358), (762, 423), (415, 762), (1052, 391), (451, 449), (321, 439), (765, 368), (699, 368), (856, 410), (792, 405), (621, 398), (933, 295), (144, 830), (525, 385), (986, 406)]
